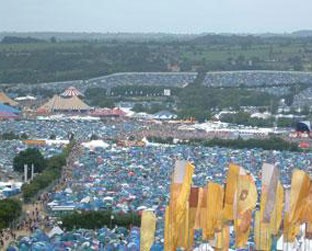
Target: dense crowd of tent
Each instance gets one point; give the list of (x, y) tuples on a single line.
[(303, 99), (256, 78), (146, 78)]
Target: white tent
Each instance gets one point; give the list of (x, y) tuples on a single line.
[(95, 143), (108, 198), (86, 200), (141, 208), (55, 231)]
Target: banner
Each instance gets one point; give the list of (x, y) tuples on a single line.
[(230, 189), (148, 227), (300, 188)]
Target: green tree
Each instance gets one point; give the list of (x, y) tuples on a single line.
[(29, 156), (10, 210)]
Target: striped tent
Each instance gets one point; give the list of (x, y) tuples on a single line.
[(8, 112), (71, 92), (60, 104), (4, 99)]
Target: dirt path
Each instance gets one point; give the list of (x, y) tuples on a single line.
[(34, 213)]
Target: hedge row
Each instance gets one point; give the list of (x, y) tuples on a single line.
[(99, 219), (272, 143), (51, 173)]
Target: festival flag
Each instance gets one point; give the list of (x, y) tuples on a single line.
[(200, 204), (214, 210), (193, 203), (182, 234), (277, 213), (230, 189), (168, 235), (300, 188), (148, 227), (179, 203), (270, 177), (262, 234), (290, 230), (193, 206), (246, 194), (203, 213), (306, 209), (242, 228), (184, 194), (245, 201), (222, 239)]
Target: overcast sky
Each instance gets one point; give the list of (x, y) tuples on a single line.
[(172, 16)]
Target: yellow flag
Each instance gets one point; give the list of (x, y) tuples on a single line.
[(270, 177), (290, 230), (214, 209), (184, 194), (262, 234), (193, 205), (222, 239), (276, 217), (198, 209), (230, 189), (203, 213), (169, 245), (245, 201), (148, 227), (242, 228), (300, 187), (246, 195), (181, 208), (306, 209)]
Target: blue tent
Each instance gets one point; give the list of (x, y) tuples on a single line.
[(8, 109)]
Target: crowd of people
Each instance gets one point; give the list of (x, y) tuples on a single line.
[(33, 219)]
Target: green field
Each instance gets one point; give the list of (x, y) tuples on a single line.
[(45, 61)]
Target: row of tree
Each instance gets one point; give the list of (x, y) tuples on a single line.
[(48, 170), (244, 118), (99, 219), (11, 135), (272, 143), (31, 60), (198, 101)]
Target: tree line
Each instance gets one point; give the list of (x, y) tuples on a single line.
[(49, 170), (31, 60), (272, 143), (99, 219)]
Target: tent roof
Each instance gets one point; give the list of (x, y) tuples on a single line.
[(71, 91), (58, 103), (7, 109), (95, 143), (108, 112), (164, 113), (6, 100), (8, 115)]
